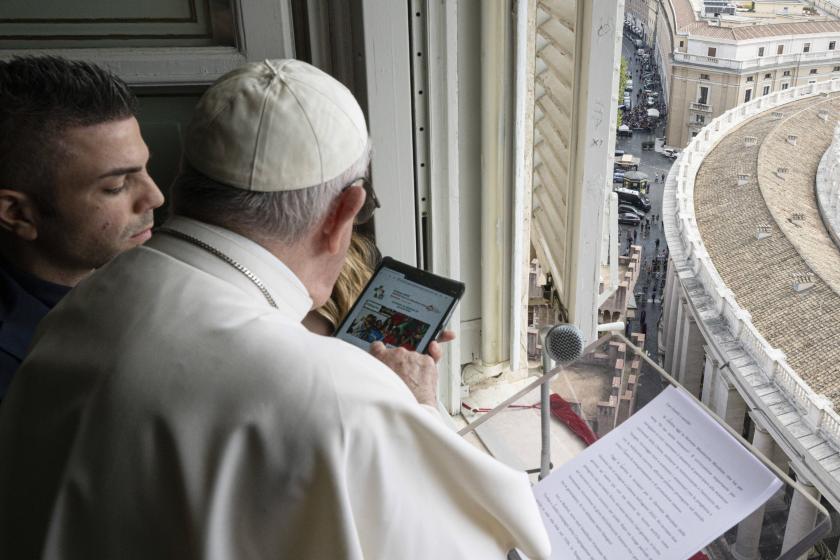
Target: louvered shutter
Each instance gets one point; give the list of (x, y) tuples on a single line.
[(553, 128)]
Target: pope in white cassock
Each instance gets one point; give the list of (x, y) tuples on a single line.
[(173, 406)]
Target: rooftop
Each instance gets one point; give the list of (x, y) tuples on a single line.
[(750, 25), (769, 187)]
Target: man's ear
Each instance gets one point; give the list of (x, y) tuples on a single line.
[(339, 221), (18, 214)]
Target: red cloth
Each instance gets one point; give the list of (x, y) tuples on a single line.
[(561, 410)]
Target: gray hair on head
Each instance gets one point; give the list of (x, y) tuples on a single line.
[(283, 216)]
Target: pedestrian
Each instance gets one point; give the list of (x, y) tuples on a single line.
[(657, 243), (64, 125)]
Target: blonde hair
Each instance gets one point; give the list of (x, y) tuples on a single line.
[(362, 259)]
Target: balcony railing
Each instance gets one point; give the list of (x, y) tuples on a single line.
[(794, 59), (702, 107)]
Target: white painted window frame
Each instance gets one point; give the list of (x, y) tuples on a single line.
[(263, 30), (388, 75)]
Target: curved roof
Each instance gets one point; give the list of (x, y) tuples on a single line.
[(756, 177)]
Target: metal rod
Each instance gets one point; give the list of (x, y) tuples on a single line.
[(545, 377), (545, 430)]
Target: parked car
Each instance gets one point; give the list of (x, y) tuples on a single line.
[(618, 177), (670, 153), (626, 208), (629, 218), (628, 86), (627, 162), (633, 198)]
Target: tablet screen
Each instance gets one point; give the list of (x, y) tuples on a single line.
[(396, 311)]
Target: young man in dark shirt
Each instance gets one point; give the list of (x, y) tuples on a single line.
[(74, 190)]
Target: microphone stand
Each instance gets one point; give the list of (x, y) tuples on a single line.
[(545, 418), (510, 400)]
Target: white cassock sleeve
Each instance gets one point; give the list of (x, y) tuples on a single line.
[(440, 497)]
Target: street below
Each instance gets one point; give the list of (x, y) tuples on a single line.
[(650, 286)]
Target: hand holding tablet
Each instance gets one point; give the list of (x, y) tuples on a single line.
[(402, 307)]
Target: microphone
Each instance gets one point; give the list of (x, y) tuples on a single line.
[(562, 343)]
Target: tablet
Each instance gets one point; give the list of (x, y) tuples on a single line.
[(401, 306)]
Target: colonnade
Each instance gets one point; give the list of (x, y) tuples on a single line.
[(692, 362)]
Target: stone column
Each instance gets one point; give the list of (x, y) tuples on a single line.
[(666, 293), (670, 328), (710, 378), (679, 336), (728, 403), (691, 357), (802, 516), (749, 530)]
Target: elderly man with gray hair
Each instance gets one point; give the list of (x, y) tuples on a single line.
[(173, 406)]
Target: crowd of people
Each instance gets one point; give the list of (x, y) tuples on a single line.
[(390, 327), (647, 78)]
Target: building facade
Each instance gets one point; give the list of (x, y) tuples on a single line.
[(711, 64)]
